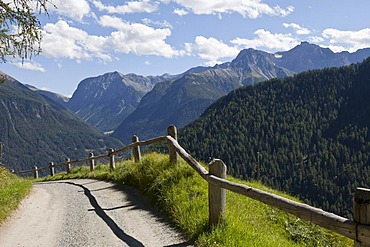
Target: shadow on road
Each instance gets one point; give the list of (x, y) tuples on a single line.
[(112, 225), (135, 202)]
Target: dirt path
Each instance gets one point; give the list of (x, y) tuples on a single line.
[(86, 212)]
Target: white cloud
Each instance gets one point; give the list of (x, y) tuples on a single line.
[(60, 40), (163, 24), (251, 9), (180, 12), (335, 48), (211, 49), (297, 28), (63, 41), (268, 40), (315, 39), (137, 38), (348, 40), (74, 9), (29, 65), (144, 6)]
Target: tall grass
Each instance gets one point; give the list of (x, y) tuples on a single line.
[(12, 190), (182, 195)]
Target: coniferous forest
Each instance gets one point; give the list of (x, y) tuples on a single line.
[(307, 135)]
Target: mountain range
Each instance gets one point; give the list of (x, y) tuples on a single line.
[(183, 100), (36, 130), (146, 105)]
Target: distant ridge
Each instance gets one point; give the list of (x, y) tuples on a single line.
[(308, 56), (61, 99)]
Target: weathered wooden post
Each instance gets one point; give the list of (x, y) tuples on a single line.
[(136, 150), (112, 163), (172, 131), (216, 194), (35, 172), (92, 162), (51, 167), (361, 215), (68, 165)]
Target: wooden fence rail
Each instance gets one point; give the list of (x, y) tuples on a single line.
[(358, 230)]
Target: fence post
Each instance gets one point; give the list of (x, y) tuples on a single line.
[(136, 150), (51, 167), (68, 165), (112, 163), (216, 194), (35, 172), (361, 215), (92, 162), (172, 131)]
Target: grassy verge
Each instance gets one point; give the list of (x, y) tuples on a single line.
[(182, 195), (12, 190)]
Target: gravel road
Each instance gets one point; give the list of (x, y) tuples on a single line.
[(86, 212)]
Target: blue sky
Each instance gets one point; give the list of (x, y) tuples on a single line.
[(85, 38)]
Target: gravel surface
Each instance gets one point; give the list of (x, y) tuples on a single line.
[(86, 212)]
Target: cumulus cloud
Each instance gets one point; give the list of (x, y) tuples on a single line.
[(347, 40), (74, 9), (267, 40), (180, 12), (63, 41), (163, 24), (211, 49), (138, 38), (251, 9), (144, 6), (315, 39), (297, 28), (60, 40), (29, 65)]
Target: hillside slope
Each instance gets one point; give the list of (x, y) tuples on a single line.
[(35, 130), (310, 134), (181, 101), (184, 100)]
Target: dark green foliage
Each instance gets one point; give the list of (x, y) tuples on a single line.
[(36, 130), (311, 129)]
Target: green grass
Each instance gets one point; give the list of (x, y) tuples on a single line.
[(182, 195), (12, 190)]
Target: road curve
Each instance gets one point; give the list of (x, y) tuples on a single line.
[(86, 212)]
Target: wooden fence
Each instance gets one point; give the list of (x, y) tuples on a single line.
[(358, 230)]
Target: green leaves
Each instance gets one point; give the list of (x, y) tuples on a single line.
[(20, 33)]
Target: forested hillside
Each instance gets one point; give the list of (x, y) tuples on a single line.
[(310, 132), (35, 130)]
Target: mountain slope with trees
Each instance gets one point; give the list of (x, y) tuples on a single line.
[(35, 130), (308, 134), (184, 100), (181, 101)]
